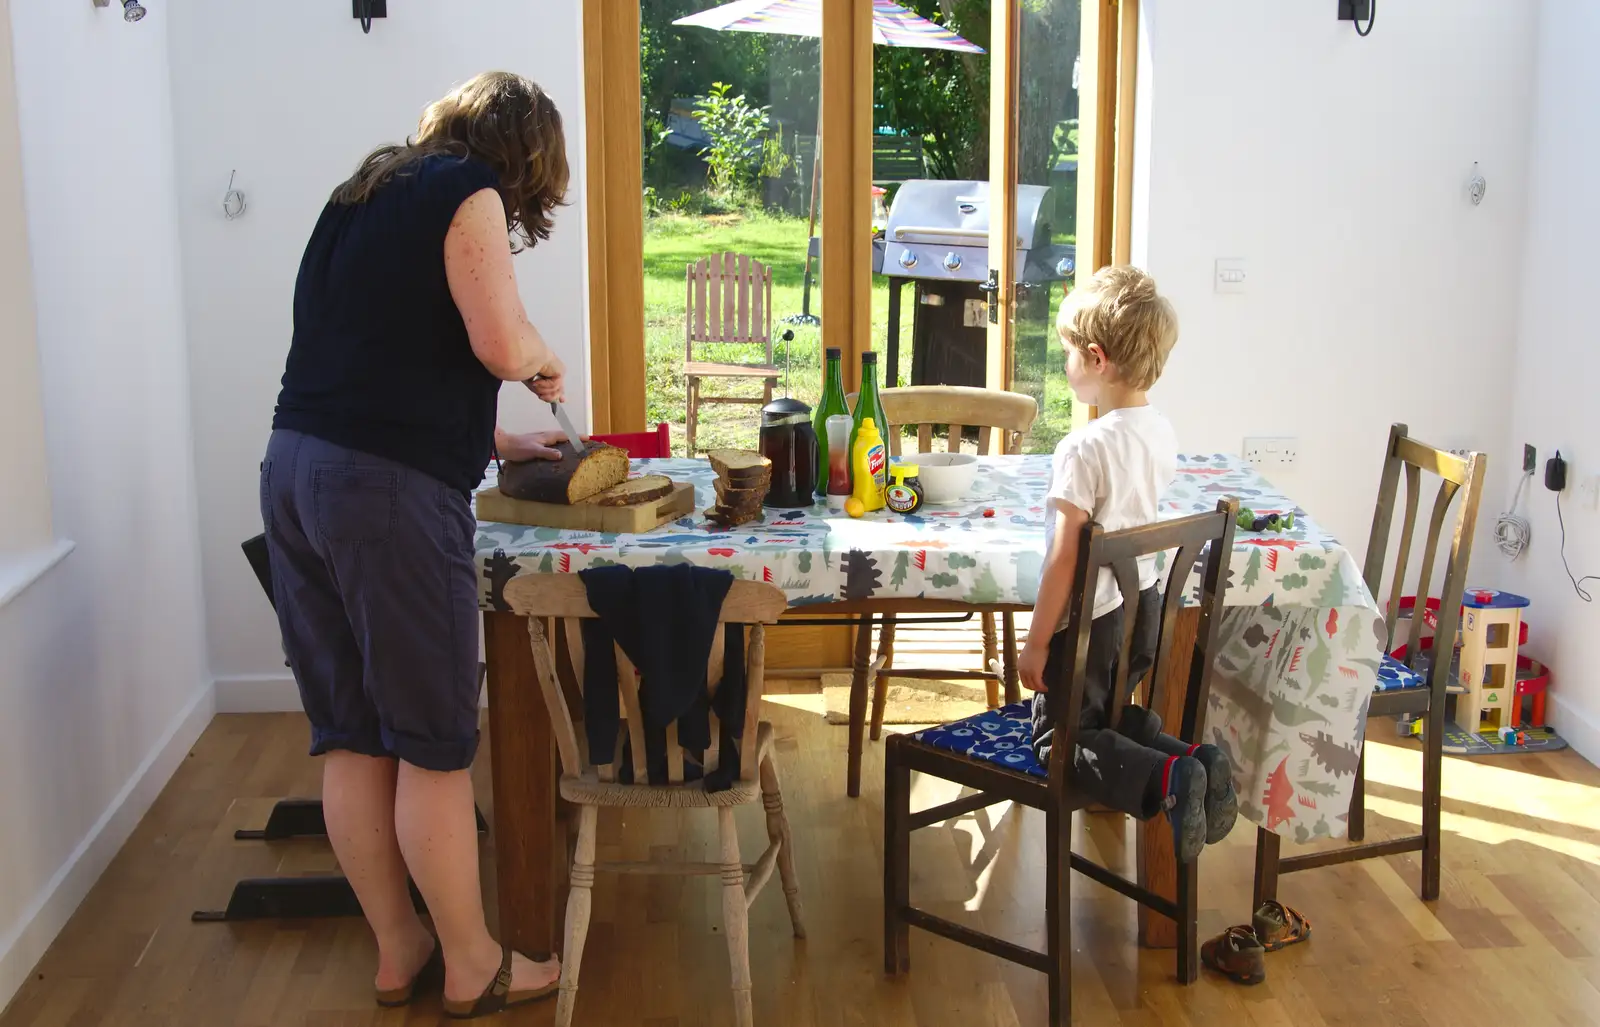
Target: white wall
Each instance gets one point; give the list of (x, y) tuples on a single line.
[(25, 510), (103, 682), (1557, 368), (293, 95), (1337, 166)]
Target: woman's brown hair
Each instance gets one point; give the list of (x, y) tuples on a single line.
[(502, 119)]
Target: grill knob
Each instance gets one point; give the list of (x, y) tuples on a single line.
[(1066, 266), (952, 261), (908, 259)]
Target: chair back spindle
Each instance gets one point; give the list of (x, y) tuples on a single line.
[(1187, 538), (1459, 477)]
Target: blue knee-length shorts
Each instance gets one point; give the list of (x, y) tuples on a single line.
[(376, 590)]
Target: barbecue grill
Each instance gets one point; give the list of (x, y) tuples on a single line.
[(938, 239)]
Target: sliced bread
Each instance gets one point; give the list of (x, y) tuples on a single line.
[(739, 464), (644, 489)]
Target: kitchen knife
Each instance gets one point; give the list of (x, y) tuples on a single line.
[(566, 425)]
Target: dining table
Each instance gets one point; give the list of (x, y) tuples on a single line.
[(1294, 668)]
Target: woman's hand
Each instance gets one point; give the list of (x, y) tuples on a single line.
[(550, 383), (1030, 666), (536, 445)]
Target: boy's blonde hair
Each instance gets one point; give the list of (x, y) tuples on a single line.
[(1119, 310)]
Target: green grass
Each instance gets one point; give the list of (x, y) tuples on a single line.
[(673, 241)]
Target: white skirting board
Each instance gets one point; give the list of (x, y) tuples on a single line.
[(58, 900), (265, 693), (1581, 733)]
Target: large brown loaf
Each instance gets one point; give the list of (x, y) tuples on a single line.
[(572, 479)]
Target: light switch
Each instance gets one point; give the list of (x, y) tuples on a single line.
[(1231, 274)]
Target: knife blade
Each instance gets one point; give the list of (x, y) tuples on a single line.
[(566, 425)]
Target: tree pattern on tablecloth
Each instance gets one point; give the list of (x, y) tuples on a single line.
[(1299, 642)]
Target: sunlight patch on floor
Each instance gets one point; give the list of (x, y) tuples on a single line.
[(1486, 831), (1495, 784)]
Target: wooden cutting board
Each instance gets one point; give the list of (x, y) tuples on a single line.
[(640, 517)]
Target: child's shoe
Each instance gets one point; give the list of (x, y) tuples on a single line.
[(1279, 926), (1236, 954), (1183, 790), (1222, 803)]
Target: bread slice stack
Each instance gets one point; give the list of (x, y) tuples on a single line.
[(743, 478)]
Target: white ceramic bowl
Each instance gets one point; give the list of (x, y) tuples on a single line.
[(945, 477)]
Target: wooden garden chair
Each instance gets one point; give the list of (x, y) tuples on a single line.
[(992, 754), (563, 599), (1408, 687), (729, 310), (999, 416)]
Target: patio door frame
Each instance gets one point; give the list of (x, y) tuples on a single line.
[(614, 187), (1106, 102)]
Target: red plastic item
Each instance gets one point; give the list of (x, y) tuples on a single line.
[(641, 445), (989, 512)]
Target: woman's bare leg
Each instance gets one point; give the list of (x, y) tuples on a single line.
[(438, 834), (358, 805)]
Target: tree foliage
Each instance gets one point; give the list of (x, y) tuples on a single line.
[(940, 96)]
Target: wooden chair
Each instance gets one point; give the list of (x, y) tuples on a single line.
[(997, 760), (729, 307), (1418, 685), (563, 598), (999, 416)]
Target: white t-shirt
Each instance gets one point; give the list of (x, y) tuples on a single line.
[(1115, 468)]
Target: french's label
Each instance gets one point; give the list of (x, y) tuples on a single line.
[(875, 463)]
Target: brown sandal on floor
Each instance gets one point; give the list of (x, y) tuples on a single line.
[(1279, 926), (1237, 955), (431, 975), (498, 995)]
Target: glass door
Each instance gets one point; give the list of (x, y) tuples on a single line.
[(1036, 47)]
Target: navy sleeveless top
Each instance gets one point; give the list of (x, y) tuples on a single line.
[(380, 361)]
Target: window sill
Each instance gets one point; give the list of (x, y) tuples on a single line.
[(19, 570)]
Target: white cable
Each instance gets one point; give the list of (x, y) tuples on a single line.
[(1512, 532)]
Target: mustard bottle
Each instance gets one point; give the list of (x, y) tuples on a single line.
[(869, 467)]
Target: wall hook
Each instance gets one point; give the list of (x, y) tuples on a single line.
[(232, 200)]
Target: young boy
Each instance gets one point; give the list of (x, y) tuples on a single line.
[(1117, 332)]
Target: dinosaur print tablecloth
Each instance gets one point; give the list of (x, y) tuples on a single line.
[(1300, 652)]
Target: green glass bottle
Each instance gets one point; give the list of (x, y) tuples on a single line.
[(867, 402), (831, 403)]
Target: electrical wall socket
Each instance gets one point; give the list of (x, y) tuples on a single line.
[(1271, 453), (1589, 492)]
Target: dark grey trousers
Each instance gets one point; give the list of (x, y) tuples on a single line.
[(1110, 768)]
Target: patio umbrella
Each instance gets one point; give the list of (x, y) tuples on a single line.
[(892, 25)]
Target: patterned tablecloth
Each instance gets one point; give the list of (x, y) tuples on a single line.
[(1301, 640)]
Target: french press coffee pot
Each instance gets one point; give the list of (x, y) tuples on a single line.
[(790, 442)]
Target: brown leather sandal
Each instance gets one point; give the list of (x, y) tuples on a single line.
[(430, 976), (1237, 955), (1279, 926), (498, 995)]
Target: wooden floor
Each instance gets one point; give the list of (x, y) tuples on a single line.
[(1514, 939)]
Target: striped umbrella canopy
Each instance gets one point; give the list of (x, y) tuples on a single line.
[(892, 25)]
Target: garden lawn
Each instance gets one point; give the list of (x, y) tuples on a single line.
[(673, 241)]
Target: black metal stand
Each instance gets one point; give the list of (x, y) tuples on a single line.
[(294, 898), (805, 317)]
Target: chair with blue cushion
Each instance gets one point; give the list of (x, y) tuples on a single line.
[(1418, 684), (991, 753)]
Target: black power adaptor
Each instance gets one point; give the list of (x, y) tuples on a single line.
[(1555, 473)]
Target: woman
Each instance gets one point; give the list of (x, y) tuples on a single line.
[(406, 321)]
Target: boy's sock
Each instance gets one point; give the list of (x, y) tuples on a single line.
[(1179, 787), (1222, 803)]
